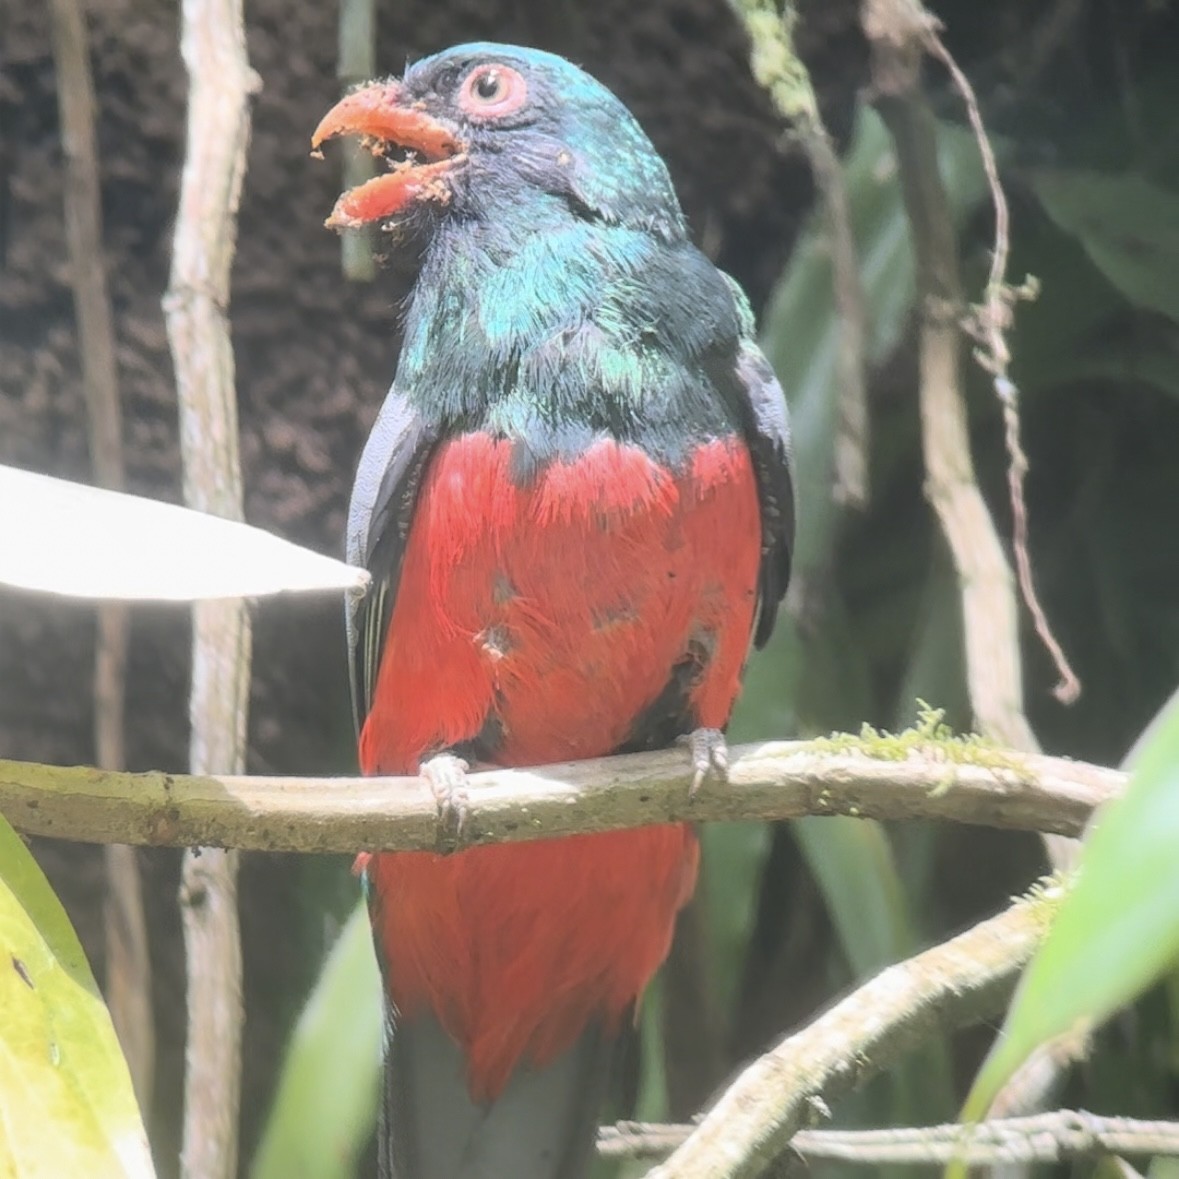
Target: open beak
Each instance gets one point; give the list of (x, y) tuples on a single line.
[(382, 116)]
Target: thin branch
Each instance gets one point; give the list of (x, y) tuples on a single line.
[(776, 780), (128, 964), (213, 45), (895, 29), (1042, 1138), (357, 62), (900, 33), (989, 324), (778, 68), (83, 220), (959, 982)]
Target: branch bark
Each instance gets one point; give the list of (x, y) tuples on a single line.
[(1055, 1137), (214, 49), (961, 981), (776, 780), (128, 963)]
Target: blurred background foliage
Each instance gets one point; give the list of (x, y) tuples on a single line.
[(1082, 97)]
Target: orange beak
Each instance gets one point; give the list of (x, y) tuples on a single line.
[(380, 115)]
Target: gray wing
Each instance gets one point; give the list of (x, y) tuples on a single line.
[(767, 433), (379, 516)]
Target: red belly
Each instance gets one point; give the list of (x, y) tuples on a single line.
[(551, 615)]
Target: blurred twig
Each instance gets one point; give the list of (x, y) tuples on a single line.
[(1042, 1138), (214, 49), (776, 780), (128, 964), (961, 981), (357, 62), (778, 68)]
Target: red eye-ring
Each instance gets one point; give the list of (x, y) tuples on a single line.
[(491, 91)]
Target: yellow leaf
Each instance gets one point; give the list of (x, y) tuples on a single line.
[(66, 1102)]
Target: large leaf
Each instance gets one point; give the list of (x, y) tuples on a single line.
[(1128, 226), (66, 538), (66, 1103), (853, 862), (734, 856), (326, 1105), (1118, 930), (1150, 362)]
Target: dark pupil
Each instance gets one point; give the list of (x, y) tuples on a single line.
[(489, 85)]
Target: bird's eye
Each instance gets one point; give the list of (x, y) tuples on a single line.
[(491, 91), (489, 87)]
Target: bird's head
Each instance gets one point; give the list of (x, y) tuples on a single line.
[(476, 131)]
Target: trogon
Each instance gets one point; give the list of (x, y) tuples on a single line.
[(576, 508)]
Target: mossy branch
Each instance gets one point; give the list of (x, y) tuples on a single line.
[(917, 774)]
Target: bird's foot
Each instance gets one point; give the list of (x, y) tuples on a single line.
[(710, 756), (446, 775)]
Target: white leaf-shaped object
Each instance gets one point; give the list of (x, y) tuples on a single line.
[(66, 538)]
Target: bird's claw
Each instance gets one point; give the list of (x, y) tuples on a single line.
[(446, 775), (710, 756)]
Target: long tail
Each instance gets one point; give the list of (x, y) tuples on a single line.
[(541, 1127)]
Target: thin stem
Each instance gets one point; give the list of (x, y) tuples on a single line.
[(1053, 1137), (128, 964), (959, 982), (214, 49)]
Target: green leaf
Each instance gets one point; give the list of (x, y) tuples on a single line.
[(853, 863), (733, 859), (66, 1102), (1154, 364), (1118, 930), (652, 1102), (1069, 322), (1128, 226), (326, 1104)]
